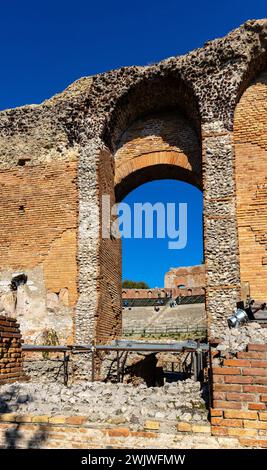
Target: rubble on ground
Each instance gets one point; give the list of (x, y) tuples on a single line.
[(237, 339), (108, 402)]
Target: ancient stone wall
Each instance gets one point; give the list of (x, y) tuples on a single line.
[(161, 293), (160, 145), (250, 139), (74, 432), (108, 321), (11, 367), (145, 293), (100, 415), (191, 280), (40, 205), (38, 181), (88, 124), (239, 395)]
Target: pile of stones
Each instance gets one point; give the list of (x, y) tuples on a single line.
[(237, 339), (108, 402)]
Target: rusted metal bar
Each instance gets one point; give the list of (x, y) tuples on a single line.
[(189, 346), (195, 365), (65, 367), (93, 361), (118, 366), (40, 348)]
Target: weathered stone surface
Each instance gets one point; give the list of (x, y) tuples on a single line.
[(237, 339), (67, 144), (107, 402), (8, 304)]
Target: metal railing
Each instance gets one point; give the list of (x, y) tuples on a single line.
[(164, 330), (190, 299), (159, 302), (196, 349)]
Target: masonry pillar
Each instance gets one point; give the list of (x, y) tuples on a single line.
[(11, 369), (220, 227)]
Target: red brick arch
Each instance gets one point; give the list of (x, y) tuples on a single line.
[(161, 145)]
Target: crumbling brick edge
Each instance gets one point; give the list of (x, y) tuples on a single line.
[(11, 358), (79, 432), (239, 395)]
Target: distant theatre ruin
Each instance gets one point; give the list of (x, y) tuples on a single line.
[(182, 281), (199, 118)]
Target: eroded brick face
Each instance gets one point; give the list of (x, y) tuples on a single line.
[(160, 145), (38, 223), (108, 321), (11, 369), (189, 280), (117, 111), (239, 396), (250, 138)]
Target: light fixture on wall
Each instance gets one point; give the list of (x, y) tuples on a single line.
[(238, 318)]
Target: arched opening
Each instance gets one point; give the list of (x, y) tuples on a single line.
[(160, 147), (153, 133), (176, 277)]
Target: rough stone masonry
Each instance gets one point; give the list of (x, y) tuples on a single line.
[(200, 118)]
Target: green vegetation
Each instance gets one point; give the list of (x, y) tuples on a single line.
[(134, 284), (50, 338)]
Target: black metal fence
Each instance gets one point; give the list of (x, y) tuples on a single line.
[(190, 299), (161, 301), (165, 330)]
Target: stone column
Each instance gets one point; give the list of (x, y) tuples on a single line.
[(220, 227), (88, 243)]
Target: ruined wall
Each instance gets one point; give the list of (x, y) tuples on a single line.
[(108, 321), (39, 205), (38, 233), (145, 293), (191, 277), (88, 119), (239, 396), (159, 145), (162, 293), (76, 432), (11, 369), (250, 139)]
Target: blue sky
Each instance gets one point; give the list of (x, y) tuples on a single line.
[(46, 45), (149, 259)]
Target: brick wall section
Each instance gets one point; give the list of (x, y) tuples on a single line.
[(108, 318), (163, 133), (250, 138), (77, 432), (10, 351), (38, 222), (145, 293), (160, 145), (162, 293), (239, 389), (192, 277)]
